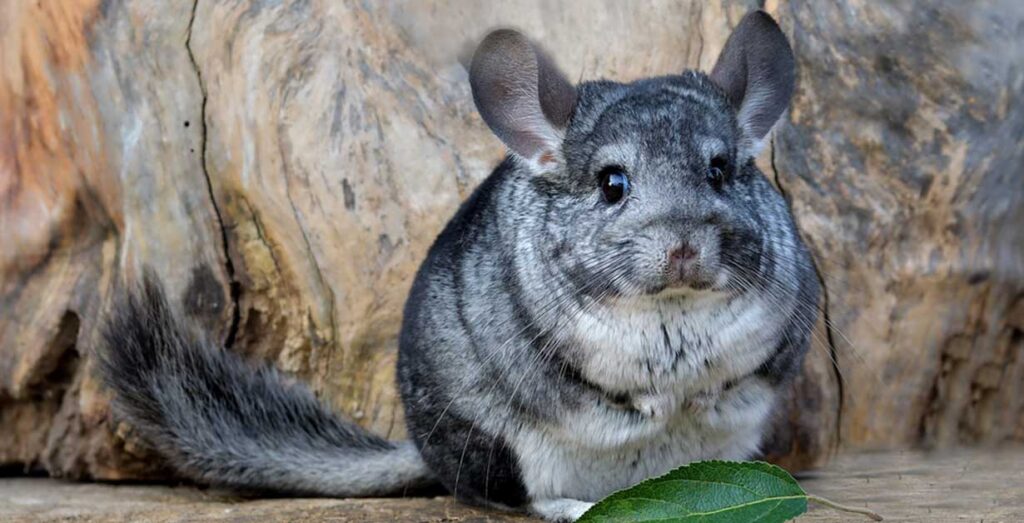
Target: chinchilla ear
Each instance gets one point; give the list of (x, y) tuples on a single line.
[(522, 96), (757, 72)]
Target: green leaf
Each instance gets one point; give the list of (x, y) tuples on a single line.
[(708, 492)]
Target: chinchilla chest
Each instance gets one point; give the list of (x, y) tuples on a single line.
[(693, 394)]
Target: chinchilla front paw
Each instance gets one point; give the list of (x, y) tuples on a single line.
[(701, 402), (655, 406)]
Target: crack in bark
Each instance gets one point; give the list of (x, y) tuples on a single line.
[(330, 295), (829, 337), (234, 287), (321, 280), (700, 33), (261, 234)]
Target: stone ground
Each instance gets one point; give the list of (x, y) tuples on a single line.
[(978, 486)]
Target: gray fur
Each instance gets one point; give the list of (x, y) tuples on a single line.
[(218, 420), (553, 350), (545, 336)]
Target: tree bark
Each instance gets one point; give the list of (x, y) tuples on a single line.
[(284, 166)]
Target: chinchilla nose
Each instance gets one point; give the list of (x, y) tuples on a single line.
[(682, 263)]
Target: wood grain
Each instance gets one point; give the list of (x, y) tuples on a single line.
[(901, 486), (903, 160), (285, 165)]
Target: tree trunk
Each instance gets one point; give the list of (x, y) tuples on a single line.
[(284, 166)]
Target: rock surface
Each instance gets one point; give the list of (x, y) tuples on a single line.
[(284, 166)]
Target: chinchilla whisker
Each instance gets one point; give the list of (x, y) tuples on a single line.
[(854, 351), (554, 303), (821, 342), (782, 256), (546, 349)]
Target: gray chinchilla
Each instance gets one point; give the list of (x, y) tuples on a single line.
[(626, 293)]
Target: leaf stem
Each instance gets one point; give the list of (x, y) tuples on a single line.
[(844, 508)]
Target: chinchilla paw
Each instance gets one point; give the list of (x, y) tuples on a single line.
[(655, 406), (701, 402)]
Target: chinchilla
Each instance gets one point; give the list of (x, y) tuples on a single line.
[(626, 293)]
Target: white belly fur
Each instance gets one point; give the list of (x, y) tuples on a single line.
[(598, 449)]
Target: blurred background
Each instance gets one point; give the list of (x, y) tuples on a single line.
[(284, 165)]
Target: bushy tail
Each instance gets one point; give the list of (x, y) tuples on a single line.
[(221, 421)]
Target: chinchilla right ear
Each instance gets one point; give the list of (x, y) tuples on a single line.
[(757, 72), (522, 96)]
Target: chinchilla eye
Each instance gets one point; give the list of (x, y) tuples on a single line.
[(614, 183), (718, 171)]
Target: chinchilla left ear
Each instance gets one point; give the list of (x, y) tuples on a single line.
[(523, 97)]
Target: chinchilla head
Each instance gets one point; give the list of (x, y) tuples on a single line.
[(649, 185)]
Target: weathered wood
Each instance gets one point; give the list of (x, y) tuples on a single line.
[(901, 486), (903, 160), (98, 173), (285, 165), (977, 485)]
